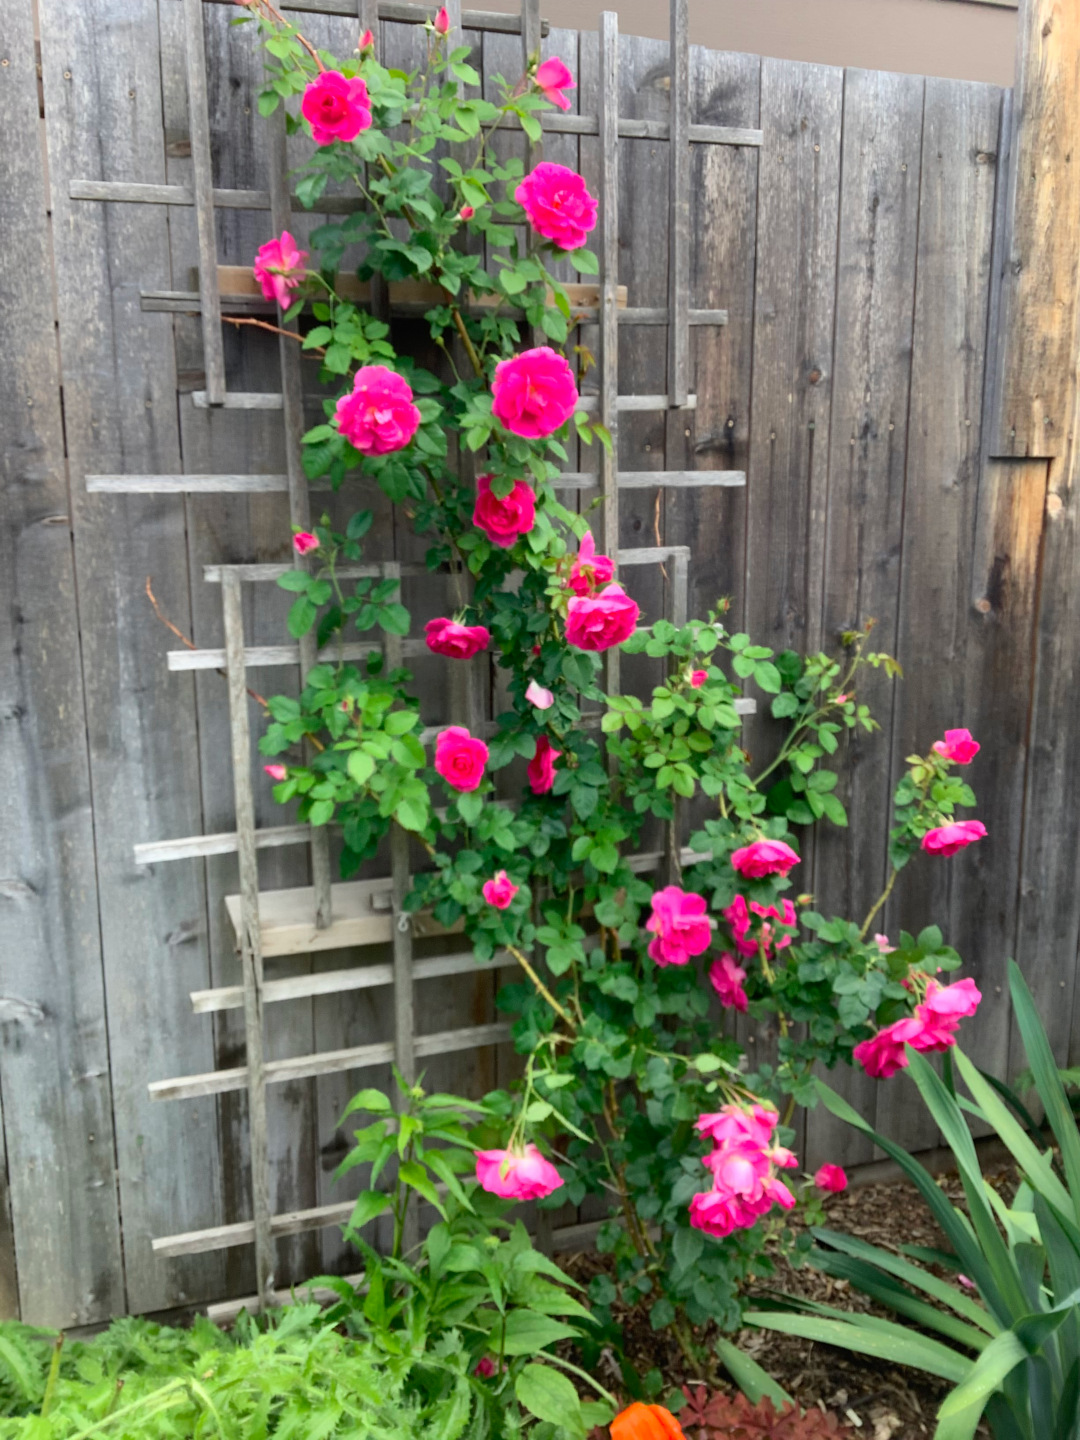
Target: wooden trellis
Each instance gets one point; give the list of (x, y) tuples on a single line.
[(327, 916)]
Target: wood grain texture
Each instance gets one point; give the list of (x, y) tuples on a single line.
[(59, 1215), (1031, 408), (956, 219), (879, 215), (103, 116)]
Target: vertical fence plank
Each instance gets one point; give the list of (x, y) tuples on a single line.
[(103, 118), (879, 212), (59, 1191), (203, 186), (609, 282), (956, 217), (679, 208)]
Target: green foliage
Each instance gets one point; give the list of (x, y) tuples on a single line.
[(1014, 1351), (621, 1054)]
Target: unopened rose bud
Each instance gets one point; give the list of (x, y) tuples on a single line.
[(276, 772), (442, 22), (303, 541), (466, 212), (367, 43)]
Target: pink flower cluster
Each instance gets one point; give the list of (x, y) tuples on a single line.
[(738, 916), (590, 571), (743, 1165), (379, 416), (932, 1027), (279, 268), (558, 204), (679, 924), (503, 518), (516, 1174)]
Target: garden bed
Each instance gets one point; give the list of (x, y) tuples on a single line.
[(882, 1401)]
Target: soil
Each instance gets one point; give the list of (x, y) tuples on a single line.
[(878, 1400)]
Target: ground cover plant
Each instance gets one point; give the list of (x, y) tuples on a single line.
[(633, 1087)]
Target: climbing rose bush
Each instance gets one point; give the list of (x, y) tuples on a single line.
[(633, 1085)]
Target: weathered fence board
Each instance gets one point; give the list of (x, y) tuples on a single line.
[(843, 299)]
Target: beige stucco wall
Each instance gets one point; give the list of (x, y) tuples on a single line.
[(967, 41)]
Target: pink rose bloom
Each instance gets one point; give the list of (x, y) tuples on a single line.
[(831, 1178), (503, 518), (442, 22), (737, 916), (279, 268), (558, 205), (534, 393), (500, 892), (948, 839), (303, 541), (466, 212), (537, 695), (680, 922), (597, 622), (883, 1054), (882, 943), (940, 1013), (552, 77), (336, 108), (460, 757), (276, 772), (458, 642), (590, 570), (698, 678), (958, 746), (516, 1175), (379, 416), (764, 857), (733, 1124), (726, 977), (541, 768)]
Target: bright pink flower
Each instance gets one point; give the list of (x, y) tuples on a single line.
[(958, 746), (336, 108), (303, 541), (552, 77), (367, 42), (541, 768), (831, 1178), (785, 915), (484, 1367), (966, 1283), (516, 1175), (503, 518), (726, 977), (534, 393), (882, 943), (884, 1053), (537, 695), (940, 1013), (558, 204), (597, 622), (764, 857), (743, 1166), (466, 212), (948, 839), (733, 1124), (458, 642), (590, 571), (737, 916), (680, 922), (460, 757), (276, 772), (698, 678), (500, 891), (442, 22), (279, 268), (379, 416)]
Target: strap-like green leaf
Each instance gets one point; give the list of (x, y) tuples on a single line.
[(887, 1291), (1047, 1082), (751, 1379), (885, 1341), (962, 1409)]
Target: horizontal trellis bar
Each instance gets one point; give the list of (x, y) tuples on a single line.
[(270, 571), (272, 400), (222, 1237), (647, 479), (279, 484), (336, 982), (329, 1062), (135, 193), (198, 847), (591, 402), (257, 657)]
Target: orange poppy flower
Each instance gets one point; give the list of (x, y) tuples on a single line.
[(646, 1422)]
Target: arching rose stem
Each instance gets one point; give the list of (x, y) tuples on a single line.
[(276, 17), (540, 986)]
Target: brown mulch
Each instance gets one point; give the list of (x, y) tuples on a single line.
[(880, 1400)]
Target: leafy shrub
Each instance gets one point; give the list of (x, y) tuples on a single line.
[(1010, 1322)]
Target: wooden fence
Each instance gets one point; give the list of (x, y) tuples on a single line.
[(850, 231)]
